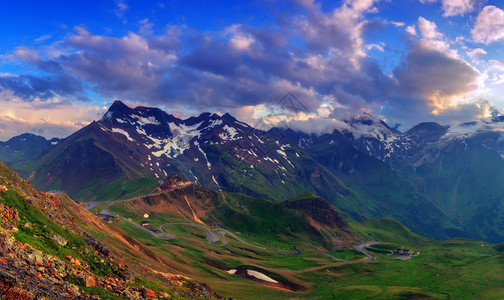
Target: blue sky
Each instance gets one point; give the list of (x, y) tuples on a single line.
[(62, 63)]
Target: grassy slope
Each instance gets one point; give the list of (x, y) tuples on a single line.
[(42, 229), (457, 268)]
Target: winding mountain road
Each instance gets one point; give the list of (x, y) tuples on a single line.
[(360, 248), (212, 237), (162, 236), (218, 234)]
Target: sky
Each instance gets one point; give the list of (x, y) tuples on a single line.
[(63, 63)]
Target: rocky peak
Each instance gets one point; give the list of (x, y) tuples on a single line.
[(427, 132), (117, 109)]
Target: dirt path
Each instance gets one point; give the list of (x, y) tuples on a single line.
[(212, 237)]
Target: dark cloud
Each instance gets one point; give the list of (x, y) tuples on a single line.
[(215, 56), (426, 71), (312, 52), (30, 88), (426, 87), (318, 55)]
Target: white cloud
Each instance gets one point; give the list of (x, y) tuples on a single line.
[(240, 40), (318, 125), (476, 54), (433, 76), (43, 38), (489, 26), (428, 29), (433, 39), (46, 119), (492, 81), (411, 30), (455, 7), (374, 46), (397, 24), (121, 8)]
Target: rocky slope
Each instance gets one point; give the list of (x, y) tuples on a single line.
[(48, 253)]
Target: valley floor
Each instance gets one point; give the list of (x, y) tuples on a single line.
[(458, 268)]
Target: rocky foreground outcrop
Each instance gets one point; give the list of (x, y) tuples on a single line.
[(45, 255)]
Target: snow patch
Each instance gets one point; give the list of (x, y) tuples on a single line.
[(213, 178), (209, 165), (285, 156), (144, 121), (260, 276), (229, 133), (215, 123), (172, 147), (117, 130)]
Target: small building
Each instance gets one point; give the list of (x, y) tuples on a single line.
[(105, 217), (402, 252)]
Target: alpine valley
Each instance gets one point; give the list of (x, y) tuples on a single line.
[(211, 207)]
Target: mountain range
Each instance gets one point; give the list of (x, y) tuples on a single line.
[(25, 147), (441, 181)]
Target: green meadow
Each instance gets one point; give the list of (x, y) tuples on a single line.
[(452, 269)]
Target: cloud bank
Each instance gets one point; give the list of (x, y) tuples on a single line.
[(321, 55)]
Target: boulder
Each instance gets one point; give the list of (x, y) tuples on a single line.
[(146, 293), (90, 282), (60, 240)]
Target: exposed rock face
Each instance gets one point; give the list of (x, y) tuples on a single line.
[(173, 182), (90, 282), (320, 211), (26, 273), (97, 245)]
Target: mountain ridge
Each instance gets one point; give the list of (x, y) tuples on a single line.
[(126, 152)]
